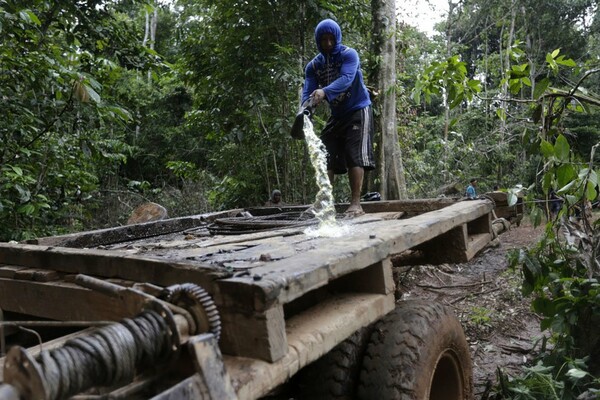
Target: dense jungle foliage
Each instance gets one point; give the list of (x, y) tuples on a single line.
[(106, 104)]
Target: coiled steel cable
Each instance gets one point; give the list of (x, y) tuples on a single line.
[(107, 356)]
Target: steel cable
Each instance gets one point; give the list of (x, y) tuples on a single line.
[(107, 356)]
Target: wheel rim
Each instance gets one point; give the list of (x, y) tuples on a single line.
[(447, 381)]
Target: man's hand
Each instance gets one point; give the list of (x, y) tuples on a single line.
[(317, 96)]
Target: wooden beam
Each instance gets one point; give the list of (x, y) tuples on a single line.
[(284, 280), (130, 232), (254, 334), (61, 301), (310, 335), (110, 264), (377, 278)]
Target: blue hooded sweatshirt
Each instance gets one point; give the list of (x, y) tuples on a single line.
[(337, 73)]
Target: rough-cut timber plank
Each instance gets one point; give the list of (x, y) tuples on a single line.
[(476, 243), (38, 275), (448, 247), (257, 334), (285, 280), (109, 264), (259, 293), (61, 301), (310, 335), (377, 278), (208, 361), (9, 271), (130, 232), (417, 206)]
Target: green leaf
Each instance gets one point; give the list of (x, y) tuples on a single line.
[(540, 88), (547, 182), (28, 16), (544, 306), (17, 170), (566, 188), (565, 174), (92, 93), (576, 373), (24, 193), (531, 270), (590, 192), (27, 209), (561, 148), (547, 149), (567, 63), (536, 216), (501, 113), (555, 53)]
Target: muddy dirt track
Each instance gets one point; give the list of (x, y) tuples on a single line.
[(485, 295)]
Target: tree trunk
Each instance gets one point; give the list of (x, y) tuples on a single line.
[(393, 182)]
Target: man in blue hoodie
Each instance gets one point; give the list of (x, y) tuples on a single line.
[(334, 75)]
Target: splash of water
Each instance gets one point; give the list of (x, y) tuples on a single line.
[(323, 205)]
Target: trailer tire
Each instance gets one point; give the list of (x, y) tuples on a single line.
[(334, 376), (418, 351)]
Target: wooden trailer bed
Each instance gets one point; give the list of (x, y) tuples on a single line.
[(284, 298)]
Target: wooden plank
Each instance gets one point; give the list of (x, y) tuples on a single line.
[(377, 278), (130, 232), (34, 274), (477, 243), (310, 335), (111, 264), (60, 301), (448, 247), (253, 302), (8, 271), (315, 265), (190, 388), (413, 207), (254, 334), (208, 361)]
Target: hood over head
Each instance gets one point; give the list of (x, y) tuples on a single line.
[(328, 26)]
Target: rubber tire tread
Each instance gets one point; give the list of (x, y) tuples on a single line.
[(334, 376), (404, 349)]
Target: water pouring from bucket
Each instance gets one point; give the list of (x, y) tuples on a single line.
[(323, 206)]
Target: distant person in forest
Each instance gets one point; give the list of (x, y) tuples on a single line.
[(275, 199), (471, 192), (555, 204), (334, 75)]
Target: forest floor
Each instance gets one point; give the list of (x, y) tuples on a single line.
[(486, 296)]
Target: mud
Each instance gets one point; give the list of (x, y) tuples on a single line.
[(485, 294)]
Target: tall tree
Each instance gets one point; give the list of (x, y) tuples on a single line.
[(391, 169), (57, 128)]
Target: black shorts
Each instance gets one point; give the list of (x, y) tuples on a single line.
[(349, 141)]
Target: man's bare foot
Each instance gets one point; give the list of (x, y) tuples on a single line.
[(354, 211)]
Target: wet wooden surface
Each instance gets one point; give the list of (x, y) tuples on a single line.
[(256, 279)]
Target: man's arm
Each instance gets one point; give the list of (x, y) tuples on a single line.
[(310, 82)]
